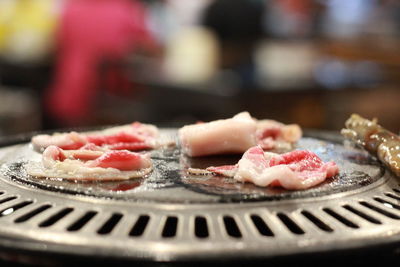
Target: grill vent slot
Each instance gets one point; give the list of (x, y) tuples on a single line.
[(14, 208), (32, 213), (140, 225), (387, 203), (170, 227), (379, 210), (261, 226), (340, 218), (316, 221), (200, 227), (392, 196), (4, 200), (396, 190), (362, 214), (231, 227), (82, 221), (290, 224), (56, 217), (110, 224)]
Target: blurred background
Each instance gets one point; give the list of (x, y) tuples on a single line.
[(172, 62)]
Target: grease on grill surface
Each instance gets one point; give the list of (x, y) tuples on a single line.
[(170, 181)]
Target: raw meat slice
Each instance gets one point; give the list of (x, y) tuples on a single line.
[(296, 170), (136, 136), (236, 135), (90, 163)]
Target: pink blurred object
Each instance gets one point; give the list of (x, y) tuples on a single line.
[(91, 31)]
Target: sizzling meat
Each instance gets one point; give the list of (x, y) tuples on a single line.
[(236, 135), (90, 163), (233, 135), (296, 170)]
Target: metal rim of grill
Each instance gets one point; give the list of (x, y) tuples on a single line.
[(43, 221)]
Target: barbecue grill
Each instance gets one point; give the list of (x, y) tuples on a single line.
[(171, 217)]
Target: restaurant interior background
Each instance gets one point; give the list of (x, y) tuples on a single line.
[(88, 63)]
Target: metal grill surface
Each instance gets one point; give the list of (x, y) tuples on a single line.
[(172, 216)]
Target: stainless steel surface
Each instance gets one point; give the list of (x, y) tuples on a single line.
[(175, 223)]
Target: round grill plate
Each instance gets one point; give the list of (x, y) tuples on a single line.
[(171, 216)]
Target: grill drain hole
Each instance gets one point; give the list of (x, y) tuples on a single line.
[(362, 214), (340, 218), (110, 224), (231, 227), (316, 221), (392, 196), (14, 208), (387, 203), (201, 227), (140, 226), (4, 200), (82, 221), (32, 214), (56, 217), (379, 210), (170, 227), (290, 224), (261, 226)]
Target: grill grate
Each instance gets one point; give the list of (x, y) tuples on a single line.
[(261, 226), (362, 214), (77, 225), (140, 226), (377, 210), (170, 231), (316, 221), (110, 224), (375, 214), (201, 227), (27, 216), (56, 217), (13, 208)]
